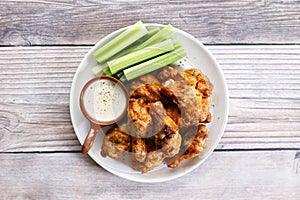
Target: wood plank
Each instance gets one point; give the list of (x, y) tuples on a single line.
[(47, 22), (264, 92), (225, 175), (263, 84)]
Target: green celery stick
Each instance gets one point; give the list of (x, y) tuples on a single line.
[(176, 42), (147, 36), (137, 43), (106, 71), (98, 69), (120, 42), (123, 78), (140, 55), (160, 36), (120, 74), (99, 73), (154, 64)]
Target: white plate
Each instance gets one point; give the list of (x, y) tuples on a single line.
[(197, 55)]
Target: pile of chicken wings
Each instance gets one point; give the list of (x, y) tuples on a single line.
[(167, 113)]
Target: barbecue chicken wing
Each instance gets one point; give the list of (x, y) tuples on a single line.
[(166, 131), (116, 142), (138, 112), (204, 89), (191, 89), (193, 144), (177, 87), (166, 137)]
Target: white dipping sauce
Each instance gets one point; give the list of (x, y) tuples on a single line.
[(105, 100)]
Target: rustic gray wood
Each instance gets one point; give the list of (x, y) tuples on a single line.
[(225, 175), (85, 22), (263, 84), (264, 92), (259, 155)]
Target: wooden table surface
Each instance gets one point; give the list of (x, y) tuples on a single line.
[(256, 43)]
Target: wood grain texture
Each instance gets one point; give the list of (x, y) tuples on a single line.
[(43, 22), (225, 175), (263, 84), (264, 92), (35, 87)]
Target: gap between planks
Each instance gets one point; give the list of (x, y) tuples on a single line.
[(215, 150), (213, 22)]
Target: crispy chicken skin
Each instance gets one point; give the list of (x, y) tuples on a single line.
[(139, 104), (138, 112), (149, 92), (205, 111), (193, 144), (174, 112), (199, 81), (188, 88), (166, 136), (177, 87), (159, 115), (139, 148), (116, 142), (204, 89), (143, 80), (148, 78), (140, 123), (153, 159)]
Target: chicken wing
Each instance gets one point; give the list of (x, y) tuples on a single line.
[(149, 92), (153, 159), (146, 89), (140, 123), (204, 89), (116, 142), (139, 148), (193, 144), (199, 81), (191, 89), (174, 112), (177, 87), (167, 137), (138, 112)]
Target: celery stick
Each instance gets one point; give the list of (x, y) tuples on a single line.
[(137, 43), (176, 42), (98, 68), (160, 36), (148, 35), (139, 56), (154, 64), (123, 78), (120, 42), (106, 71), (100, 73), (120, 74)]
